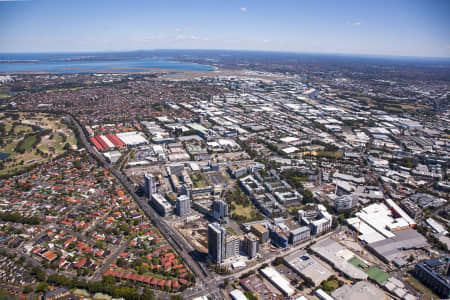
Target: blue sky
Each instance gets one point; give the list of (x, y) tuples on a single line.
[(382, 27)]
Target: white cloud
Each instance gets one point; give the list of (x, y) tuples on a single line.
[(353, 23), (184, 37), (243, 9), (266, 41)]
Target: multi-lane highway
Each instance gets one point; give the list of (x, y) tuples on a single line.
[(206, 282)]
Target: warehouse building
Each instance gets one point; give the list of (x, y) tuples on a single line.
[(278, 281), (307, 266), (338, 256)]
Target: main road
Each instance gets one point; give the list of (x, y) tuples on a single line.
[(174, 238)]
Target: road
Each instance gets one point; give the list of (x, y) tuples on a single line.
[(174, 238), (208, 284), (274, 255), (98, 274)]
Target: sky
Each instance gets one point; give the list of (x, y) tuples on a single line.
[(381, 27)]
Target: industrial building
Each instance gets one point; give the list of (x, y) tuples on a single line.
[(307, 266), (336, 255), (237, 295), (391, 249), (278, 281), (322, 295), (132, 138), (379, 221), (360, 290)]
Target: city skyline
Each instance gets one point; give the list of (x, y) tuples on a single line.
[(403, 28)]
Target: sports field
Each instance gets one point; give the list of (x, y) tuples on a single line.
[(374, 273)]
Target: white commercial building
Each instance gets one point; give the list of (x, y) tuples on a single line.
[(132, 138), (237, 295), (322, 295), (278, 280), (436, 226), (378, 221)]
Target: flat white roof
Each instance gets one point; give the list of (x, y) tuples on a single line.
[(289, 150), (238, 295), (132, 138), (277, 279), (322, 295), (289, 139), (400, 211)]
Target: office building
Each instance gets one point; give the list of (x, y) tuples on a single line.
[(324, 223), (299, 235), (149, 185), (261, 232), (251, 245), (345, 203), (161, 205), (216, 242), (319, 226), (279, 238), (434, 273), (232, 246), (183, 206), (220, 210)]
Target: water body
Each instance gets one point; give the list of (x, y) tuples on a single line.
[(85, 63), (313, 94), (4, 156)]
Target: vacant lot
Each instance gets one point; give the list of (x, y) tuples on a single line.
[(418, 286)]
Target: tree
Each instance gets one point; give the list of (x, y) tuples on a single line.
[(278, 261), (147, 295), (42, 287), (250, 295), (38, 273), (309, 282), (27, 289)]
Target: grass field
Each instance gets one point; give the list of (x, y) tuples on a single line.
[(22, 124), (22, 129), (374, 273), (330, 285), (28, 143), (418, 286), (242, 211), (358, 263)]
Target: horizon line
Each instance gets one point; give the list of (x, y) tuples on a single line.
[(232, 50)]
